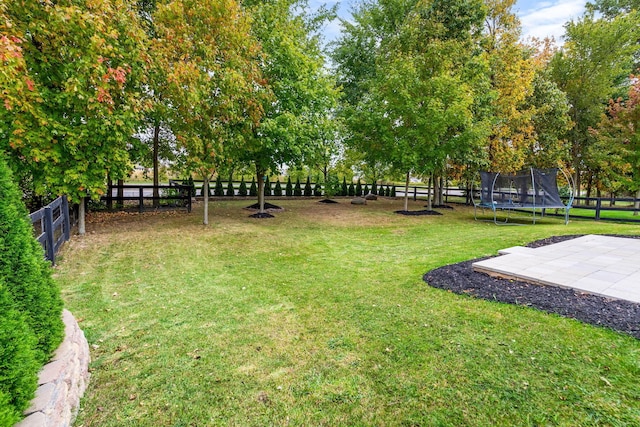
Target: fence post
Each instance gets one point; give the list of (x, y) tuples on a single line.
[(67, 221), (141, 200), (48, 230), (598, 206), (415, 193)]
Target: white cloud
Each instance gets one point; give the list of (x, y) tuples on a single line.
[(547, 19)]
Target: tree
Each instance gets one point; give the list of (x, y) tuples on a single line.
[(417, 107), (618, 140), (83, 68), (210, 60), (595, 59), (303, 93)]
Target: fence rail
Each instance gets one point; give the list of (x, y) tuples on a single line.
[(53, 226), (135, 196)]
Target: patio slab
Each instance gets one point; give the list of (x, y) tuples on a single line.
[(600, 265)]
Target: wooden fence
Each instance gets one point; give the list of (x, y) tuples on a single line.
[(53, 226), (141, 197), (179, 195)]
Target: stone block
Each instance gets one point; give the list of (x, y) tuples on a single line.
[(37, 419), (45, 395), (51, 372), (358, 201)]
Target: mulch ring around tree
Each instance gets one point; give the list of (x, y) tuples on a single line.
[(440, 207), (418, 213), (267, 207), (261, 215), (620, 315), (328, 201)]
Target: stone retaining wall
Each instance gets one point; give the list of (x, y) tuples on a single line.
[(62, 382)]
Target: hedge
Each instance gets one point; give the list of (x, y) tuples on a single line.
[(31, 325)]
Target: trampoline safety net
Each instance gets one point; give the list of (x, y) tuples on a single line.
[(529, 189)]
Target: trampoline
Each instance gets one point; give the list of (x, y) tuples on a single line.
[(531, 189)]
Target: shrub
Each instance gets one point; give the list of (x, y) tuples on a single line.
[(242, 191), (253, 190), (30, 305), (192, 187), (393, 191), (230, 190), (344, 190), (219, 191), (317, 190), (289, 188), (366, 189), (359, 188), (332, 186), (374, 188), (388, 191), (18, 365), (278, 190), (267, 187), (26, 272), (297, 190), (308, 191), (352, 190)]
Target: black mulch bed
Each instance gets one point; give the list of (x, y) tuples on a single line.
[(266, 206), (418, 213), (261, 215), (623, 316), (328, 201)]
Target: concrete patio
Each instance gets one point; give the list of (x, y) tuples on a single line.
[(600, 265)]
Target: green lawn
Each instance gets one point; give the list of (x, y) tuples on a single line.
[(320, 317)]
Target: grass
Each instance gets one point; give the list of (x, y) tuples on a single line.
[(320, 317)]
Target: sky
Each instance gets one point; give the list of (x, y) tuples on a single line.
[(538, 18)]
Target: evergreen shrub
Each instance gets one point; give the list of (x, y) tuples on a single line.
[(192, 187), (308, 191), (374, 188), (230, 190), (393, 191), (352, 190), (219, 190), (388, 191), (317, 190), (344, 190), (297, 190), (366, 190), (30, 305), (277, 191), (359, 188), (267, 187), (253, 190), (242, 191), (289, 188)]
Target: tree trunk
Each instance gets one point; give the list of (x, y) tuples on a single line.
[(636, 204), (406, 192), (120, 194), (205, 197), (441, 190), (156, 178), (260, 174), (589, 183), (431, 181), (81, 217), (436, 190)]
